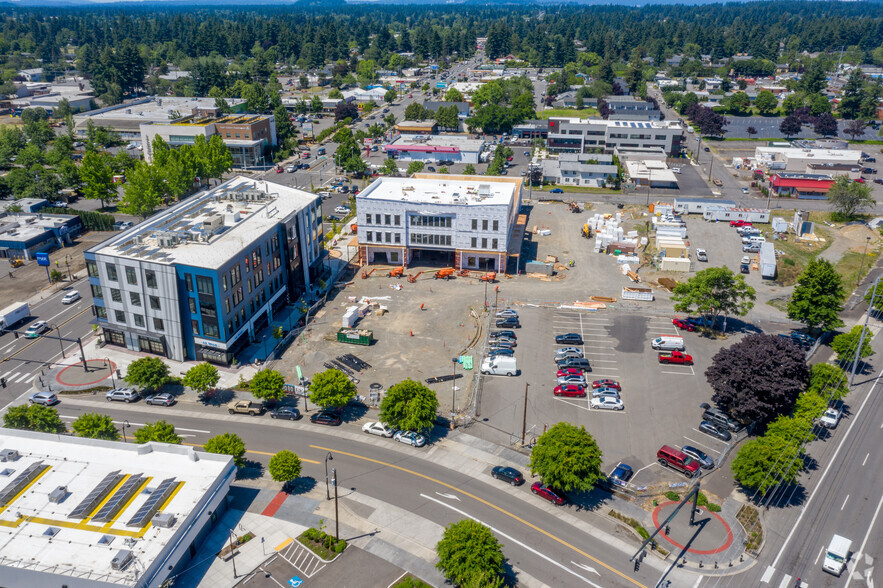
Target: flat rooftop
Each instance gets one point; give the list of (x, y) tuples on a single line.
[(209, 228), (204, 121), (460, 142), (842, 155), (623, 124), (100, 512), (442, 189), (155, 109), (27, 225)]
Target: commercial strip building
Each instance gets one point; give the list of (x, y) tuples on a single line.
[(651, 172), (631, 108), (24, 234), (248, 136), (417, 127), (126, 119), (435, 148), (812, 186), (446, 220), (199, 280), (796, 159), (575, 135), (87, 513), (580, 169)]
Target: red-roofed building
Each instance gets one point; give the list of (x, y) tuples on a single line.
[(800, 185)]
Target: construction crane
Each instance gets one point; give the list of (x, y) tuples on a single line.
[(367, 274), (413, 278)]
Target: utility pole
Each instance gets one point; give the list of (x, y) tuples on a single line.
[(524, 415)]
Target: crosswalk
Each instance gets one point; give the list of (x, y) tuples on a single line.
[(18, 377)]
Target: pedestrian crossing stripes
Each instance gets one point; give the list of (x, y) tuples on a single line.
[(17, 377)]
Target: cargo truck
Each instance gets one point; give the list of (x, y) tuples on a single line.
[(837, 555), (14, 314)]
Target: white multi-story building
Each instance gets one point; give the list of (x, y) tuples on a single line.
[(576, 135), (458, 221)]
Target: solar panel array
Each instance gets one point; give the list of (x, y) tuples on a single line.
[(119, 499), (20, 481), (147, 510), (97, 495)]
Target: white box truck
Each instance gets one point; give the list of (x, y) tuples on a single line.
[(767, 261), (666, 343), (14, 314), (499, 366), (837, 555)]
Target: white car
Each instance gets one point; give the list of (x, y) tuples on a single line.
[(701, 255), (606, 402), (410, 438), (746, 259), (71, 297), (37, 329), (506, 313), (342, 210), (830, 418), (377, 429), (566, 352), (676, 170)]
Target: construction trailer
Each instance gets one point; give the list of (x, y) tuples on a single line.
[(699, 205), (731, 213)]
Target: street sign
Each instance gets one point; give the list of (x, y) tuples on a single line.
[(42, 259), (441, 85), (294, 582)]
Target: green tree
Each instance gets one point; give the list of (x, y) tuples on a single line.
[(846, 344), (443, 169), (415, 167), (143, 192), (714, 292), (796, 428), (848, 198), (469, 555), (567, 457), (390, 96), (227, 444), (34, 417), (817, 298), (202, 377), (331, 388), (767, 461), (97, 177), (95, 426), (160, 431), (389, 167), (284, 467), (739, 103), (469, 170), (409, 405), (766, 102), (828, 380), (808, 407), (454, 95), (335, 94), (267, 385), (147, 373)]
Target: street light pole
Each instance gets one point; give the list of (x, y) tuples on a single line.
[(336, 513), (861, 266), (328, 458), (61, 344)]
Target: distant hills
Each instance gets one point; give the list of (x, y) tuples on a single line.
[(331, 3)]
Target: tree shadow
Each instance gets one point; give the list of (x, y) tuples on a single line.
[(591, 501), (250, 470), (353, 412), (510, 576), (737, 325), (302, 485)]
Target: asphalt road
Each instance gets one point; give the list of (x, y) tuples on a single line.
[(21, 359), (533, 538)]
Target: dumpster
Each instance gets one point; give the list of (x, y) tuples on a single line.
[(355, 336)]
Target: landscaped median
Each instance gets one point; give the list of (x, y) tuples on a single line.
[(321, 543)]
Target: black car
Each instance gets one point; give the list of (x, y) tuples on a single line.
[(509, 334), (715, 431), (500, 352), (510, 475), (285, 412), (326, 417), (569, 339), (575, 362), (508, 323)]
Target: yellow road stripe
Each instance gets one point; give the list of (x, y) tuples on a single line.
[(486, 503), (35, 341), (259, 453)]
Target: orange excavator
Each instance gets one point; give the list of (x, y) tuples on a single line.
[(413, 278), (489, 277), (367, 274), (396, 272), (444, 274)]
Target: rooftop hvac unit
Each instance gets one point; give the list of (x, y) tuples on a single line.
[(122, 559), (58, 495), (9, 455), (164, 520)]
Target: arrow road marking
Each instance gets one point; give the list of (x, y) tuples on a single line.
[(512, 539), (586, 568), (449, 496)]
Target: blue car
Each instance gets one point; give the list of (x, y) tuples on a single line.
[(556, 191), (620, 475)]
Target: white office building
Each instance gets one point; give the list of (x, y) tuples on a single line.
[(589, 135), (467, 222)]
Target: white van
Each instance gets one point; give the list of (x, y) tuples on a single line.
[(753, 240), (499, 366), (665, 343)]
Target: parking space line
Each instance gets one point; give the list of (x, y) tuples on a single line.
[(565, 401), (597, 353), (702, 444), (605, 361), (677, 373)]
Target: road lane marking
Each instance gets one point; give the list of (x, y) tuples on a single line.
[(861, 549), (31, 379), (845, 500), (514, 540), (8, 346), (37, 340), (12, 377), (821, 551), (832, 461), (786, 582), (699, 579), (768, 574), (486, 503), (866, 459)]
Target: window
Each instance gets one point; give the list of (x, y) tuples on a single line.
[(376, 219), (496, 225), (96, 291), (188, 279), (139, 320), (111, 272), (387, 219), (211, 329), (369, 236), (475, 224), (398, 220), (474, 242), (484, 242), (154, 302), (484, 225), (150, 278), (378, 236), (158, 324), (235, 275), (227, 305), (120, 316), (494, 243), (135, 298), (388, 237), (208, 309), (205, 286), (192, 303), (116, 295), (398, 237), (224, 282), (100, 312), (237, 296), (131, 276), (194, 326), (93, 269), (248, 283)]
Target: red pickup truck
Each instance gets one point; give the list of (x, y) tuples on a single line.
[(676, 357), (740, 223)]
